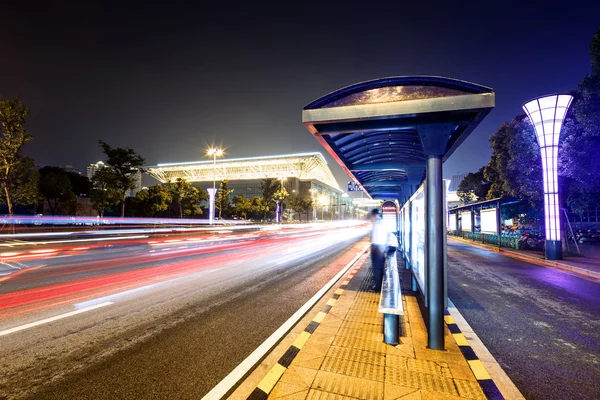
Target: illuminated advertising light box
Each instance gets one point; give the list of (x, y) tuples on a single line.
[(418, 237), (465, 218), (452, 222), (489, 223), (389, 214), (406, 233)]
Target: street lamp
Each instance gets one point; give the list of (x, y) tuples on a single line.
[(214, 152), (547, 115)]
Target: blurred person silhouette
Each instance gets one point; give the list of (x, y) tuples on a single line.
[(378, 248)]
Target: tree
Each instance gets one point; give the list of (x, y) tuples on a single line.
[(104, 192), (55, 187), (125, 164), (222, 200), (580, 151), (13, 136), (186, 196), (153, 200), (23, 184), (515, 168), (242, 206), (473, 187)]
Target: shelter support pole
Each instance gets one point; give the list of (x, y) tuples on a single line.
[(435, 251), (434, 138)]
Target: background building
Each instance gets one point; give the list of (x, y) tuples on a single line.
[(305, 174), (456, 180)]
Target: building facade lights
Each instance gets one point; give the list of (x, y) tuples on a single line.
[(547, 115)]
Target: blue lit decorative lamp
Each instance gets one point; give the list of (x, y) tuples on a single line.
[(547, 115)]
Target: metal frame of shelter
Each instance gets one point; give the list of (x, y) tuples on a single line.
[(392, 134)]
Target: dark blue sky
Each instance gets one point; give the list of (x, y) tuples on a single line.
[(168, 79)]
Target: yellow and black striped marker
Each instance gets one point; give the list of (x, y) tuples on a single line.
[(483, 378), (266, 385)]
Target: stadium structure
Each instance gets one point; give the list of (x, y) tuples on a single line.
[(304, 174)]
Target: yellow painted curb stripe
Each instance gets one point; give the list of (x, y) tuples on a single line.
[(339, 291), (449, 320), (319, 317), (301, 339), (331, 302), (479, 370), (268, 382), (461, 340)]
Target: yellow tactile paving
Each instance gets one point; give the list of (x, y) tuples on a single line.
[(319, 395), (348, 386), (356, 355), (372, 372), (469, 389), (345, 357)]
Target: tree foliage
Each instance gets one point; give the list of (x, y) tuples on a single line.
[(13, 136), (104, 193), (186, 197), (579, 155), (222, 200), (56, 189), (153, 200), (125, 163), (473, 187)]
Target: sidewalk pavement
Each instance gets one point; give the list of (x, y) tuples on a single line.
[(588, 264), (341, 355)]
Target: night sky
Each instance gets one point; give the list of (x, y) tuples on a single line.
[(169, 79)]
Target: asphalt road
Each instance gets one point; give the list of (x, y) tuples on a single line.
[(541, 324), (172, 318)]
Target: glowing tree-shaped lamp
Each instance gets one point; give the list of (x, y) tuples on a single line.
[(547, 115)]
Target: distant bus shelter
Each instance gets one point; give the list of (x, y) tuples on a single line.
[(391, 136)]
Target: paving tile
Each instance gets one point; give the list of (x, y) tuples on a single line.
[(299, 376), (319, 395), (321, 338), (308, 360), (348, 386), (345, 341), (288, 391), (419, 380), (327, 330), (425, 366), (402, 349), (427, 395), (394, 392), (315, 348), (364, 356), (469, 389), (396, 361), (462, 372), (372, 372), (361, 334), (371, 327)]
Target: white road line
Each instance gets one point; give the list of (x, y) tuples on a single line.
[(52, 319), (223, 387)]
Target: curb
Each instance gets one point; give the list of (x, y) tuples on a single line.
[(267, 384), (484, 379), (534, 260)]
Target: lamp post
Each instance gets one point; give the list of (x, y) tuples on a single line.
[(547, 115), (214, 152)]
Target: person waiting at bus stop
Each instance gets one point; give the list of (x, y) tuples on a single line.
[(378, 248)]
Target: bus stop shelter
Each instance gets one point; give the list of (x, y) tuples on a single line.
[(391, 135)]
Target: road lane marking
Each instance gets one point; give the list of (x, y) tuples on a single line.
[(231, 380), (52, 319)]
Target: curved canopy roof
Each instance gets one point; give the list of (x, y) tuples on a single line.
[(372, 129)]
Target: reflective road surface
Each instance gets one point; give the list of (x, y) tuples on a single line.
[(153, 317), (541, 324)]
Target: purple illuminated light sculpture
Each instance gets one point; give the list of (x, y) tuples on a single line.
[(547, 115)]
